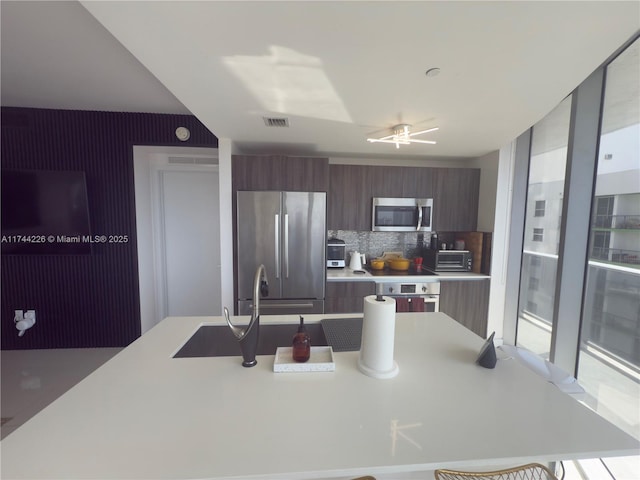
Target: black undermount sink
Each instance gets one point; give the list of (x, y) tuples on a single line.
[(219, 341)]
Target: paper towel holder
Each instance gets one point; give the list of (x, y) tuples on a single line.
[(378, 333), (487, 357)]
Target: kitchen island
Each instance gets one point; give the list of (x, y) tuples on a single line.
[(145, 414)]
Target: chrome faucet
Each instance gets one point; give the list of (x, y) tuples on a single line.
[(248, 336)]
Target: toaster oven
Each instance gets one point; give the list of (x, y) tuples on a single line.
[(448, 260)]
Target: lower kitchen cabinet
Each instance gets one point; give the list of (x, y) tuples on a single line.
[(467, 302), (347, 297)]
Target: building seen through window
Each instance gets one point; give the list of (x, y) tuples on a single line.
[(608, 347)]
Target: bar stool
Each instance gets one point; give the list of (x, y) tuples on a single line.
[(531, 471)]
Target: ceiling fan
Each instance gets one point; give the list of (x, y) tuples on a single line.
[(402, 135)]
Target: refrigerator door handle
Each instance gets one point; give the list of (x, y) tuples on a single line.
[(277, 244), (286, 245)]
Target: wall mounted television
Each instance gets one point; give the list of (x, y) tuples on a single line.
[(44, 212)]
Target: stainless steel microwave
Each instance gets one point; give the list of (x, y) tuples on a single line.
[(401, 214)]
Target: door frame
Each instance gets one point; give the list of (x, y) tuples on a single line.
[(159, 169), (150, 272)]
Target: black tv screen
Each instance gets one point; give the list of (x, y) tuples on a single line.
[(44, 212)]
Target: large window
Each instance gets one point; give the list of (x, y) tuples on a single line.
[(545, 192), (579, 288), (609, 361)]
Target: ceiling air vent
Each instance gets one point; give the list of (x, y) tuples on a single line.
[(192, 161), (276, 121)]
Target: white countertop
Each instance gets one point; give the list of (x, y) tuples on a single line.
[(347, 275), (146, 415)]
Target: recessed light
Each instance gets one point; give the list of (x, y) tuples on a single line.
[(432, 72)]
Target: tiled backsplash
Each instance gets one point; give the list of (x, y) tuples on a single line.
[(373, 244)]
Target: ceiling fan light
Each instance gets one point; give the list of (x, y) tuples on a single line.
[(425, 131), (402, 136)]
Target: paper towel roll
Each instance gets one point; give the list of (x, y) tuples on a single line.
[(378, 335)]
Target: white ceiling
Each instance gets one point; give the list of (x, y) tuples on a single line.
[(339, 71)]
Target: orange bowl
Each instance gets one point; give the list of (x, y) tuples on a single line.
[(377, 264), (399, 264)]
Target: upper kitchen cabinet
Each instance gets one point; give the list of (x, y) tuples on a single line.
[(280, 172), (349, 201), (408, 182), (455, 199), (417, 182), (352, 188)]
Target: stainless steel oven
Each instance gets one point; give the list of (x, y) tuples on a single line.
[(401, 214), (413, 296)]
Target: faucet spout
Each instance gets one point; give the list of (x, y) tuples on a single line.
[(260, 288), (248, 337)]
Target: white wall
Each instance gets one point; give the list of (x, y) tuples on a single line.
[(500, 241), (488, 166), (225, 150)]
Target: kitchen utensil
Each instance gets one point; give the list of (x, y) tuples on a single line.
[(336, 250), (399, 264), (356, 261), (377, 264)]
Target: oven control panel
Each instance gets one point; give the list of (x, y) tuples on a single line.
[(410, 289)]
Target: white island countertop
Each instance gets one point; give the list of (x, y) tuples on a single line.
[(146, 415)]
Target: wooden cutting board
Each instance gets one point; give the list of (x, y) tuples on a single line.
[(479, 244)]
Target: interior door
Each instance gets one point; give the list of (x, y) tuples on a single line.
[(190, 237)]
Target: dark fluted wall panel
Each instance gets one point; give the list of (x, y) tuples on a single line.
[(83, 300)]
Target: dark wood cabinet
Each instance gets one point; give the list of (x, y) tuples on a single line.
[(352, 188), (280, 172), (385, 182), (349, 198), (347, 297), (467, 301), (455, 194), (417, 182)]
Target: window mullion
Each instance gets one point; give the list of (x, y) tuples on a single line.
[(516, 235), (574, 234)]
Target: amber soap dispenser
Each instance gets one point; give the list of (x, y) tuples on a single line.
[(301, 350)]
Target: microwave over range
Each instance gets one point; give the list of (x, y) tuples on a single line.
[(401, 214)]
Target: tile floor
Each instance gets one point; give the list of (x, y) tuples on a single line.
[(32, 379)]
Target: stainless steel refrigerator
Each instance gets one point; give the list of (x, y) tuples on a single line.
[(286, 232)]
